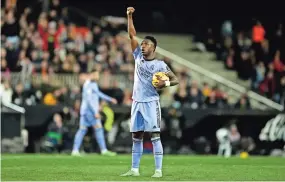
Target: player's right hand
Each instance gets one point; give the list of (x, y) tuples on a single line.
[(114, 101), (130, 10), (97, 116)]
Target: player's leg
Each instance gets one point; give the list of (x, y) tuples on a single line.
[(225, 147), (137, 151), (152, 115), (228, 148), (158, 154), (100, 138), (81, 132), (137, 128), (221, 149)]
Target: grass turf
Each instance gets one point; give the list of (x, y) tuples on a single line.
[(94, 167)]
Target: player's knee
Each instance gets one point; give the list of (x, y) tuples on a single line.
[(138, 135), (155, 135), (82, 129)]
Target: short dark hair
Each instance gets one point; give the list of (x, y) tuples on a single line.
[(94, 70), (151, 38)]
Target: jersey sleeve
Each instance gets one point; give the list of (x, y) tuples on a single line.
[(164, 67), (137, 53), (101, 94)]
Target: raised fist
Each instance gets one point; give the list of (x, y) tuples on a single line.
[(130, 10)]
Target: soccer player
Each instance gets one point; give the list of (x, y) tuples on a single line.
[(145, 113), (225, 147), (90, 116)]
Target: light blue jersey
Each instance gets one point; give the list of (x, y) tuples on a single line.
[(90, 98), (146, 113), (143, 90)]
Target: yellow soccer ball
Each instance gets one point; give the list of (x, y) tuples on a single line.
[(244, 155), (157, 76)]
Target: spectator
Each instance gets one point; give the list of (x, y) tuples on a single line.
[(224, 101), (212, 101), (109, 116), (265, 56), (268, 86), (280, 96), (51, 99), (127, 100), (75, 112), (258, 76), (245, 66), (181, 95), (227, 30), (10, 29), (229, 60), (206, 90), (277, 63), (54, 136), (19, 95), (243, 103), (258, 35), (195, 98), (6, 92), (218, 93)]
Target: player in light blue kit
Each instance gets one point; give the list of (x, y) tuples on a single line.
[(146, 114), (90, 116)]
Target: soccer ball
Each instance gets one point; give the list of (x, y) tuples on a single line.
[(160, 75)]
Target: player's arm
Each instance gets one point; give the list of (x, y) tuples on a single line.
[(104, 96), (131, 28), (173, 80)]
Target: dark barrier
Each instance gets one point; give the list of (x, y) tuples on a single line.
[(266, 128), (10, 123)]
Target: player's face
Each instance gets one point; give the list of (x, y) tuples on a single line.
[(147, 47), (95, 75)]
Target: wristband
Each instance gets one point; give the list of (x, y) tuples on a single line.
[(167, 83)]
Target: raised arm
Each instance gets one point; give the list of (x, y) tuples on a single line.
[(131, 28)]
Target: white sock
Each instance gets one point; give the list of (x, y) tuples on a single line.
[(135, 170), (103, 151)]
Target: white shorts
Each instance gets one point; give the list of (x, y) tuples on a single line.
[(145, 116)]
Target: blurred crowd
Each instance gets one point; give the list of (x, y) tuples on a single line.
[(53, 44), (49, 43), (256, 55)]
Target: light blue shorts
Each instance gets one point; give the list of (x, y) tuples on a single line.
[(145, 116), (88, 120)]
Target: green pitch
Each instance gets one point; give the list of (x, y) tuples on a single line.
[(95, 167)]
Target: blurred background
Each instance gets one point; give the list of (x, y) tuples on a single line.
[(230, 60)]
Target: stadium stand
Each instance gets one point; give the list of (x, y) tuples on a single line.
[(53, 45), (256, 55)]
